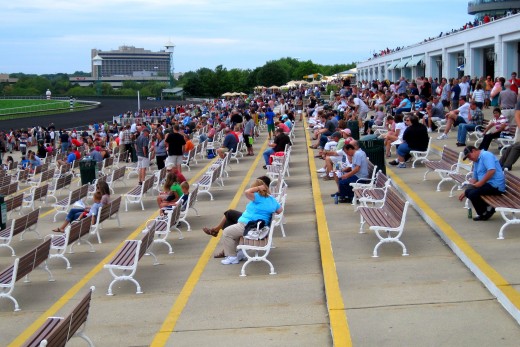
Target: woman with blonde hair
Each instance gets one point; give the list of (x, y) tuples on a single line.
[(259, 209)]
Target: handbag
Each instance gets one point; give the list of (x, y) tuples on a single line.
[(251, 140), (256, 230)]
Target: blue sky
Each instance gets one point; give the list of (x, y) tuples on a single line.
[(56, 36)]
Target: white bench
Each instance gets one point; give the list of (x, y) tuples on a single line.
[(206, 181), (163, 225), (257, 250), (63, 206), (386, 221), (19, 226), (135, 196), (106, 212), (124, 264), (190, 204), (22, 267), (421, 156), (72, 235), (115, 177), (58, 184), (57, 331)]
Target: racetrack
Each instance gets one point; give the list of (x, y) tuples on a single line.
[(107, 109)]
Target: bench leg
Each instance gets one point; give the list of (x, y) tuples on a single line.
[(61, 256), (123, 277), (10, 297), (388, 239), (8, 246), (510, 218)]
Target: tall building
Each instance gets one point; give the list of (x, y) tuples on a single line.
[(132, 61), (493, 8)]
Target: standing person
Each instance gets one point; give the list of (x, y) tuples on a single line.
[(126, 142), (479, 96), (348, 175), (507, 102), (455, 94), (515, 82), (64, 141), (269, 121), (445, 93), (495, 92), (248, 134), (22, 142), (487, 91), (175, 145), (160, 149), (488, 179), (142, 149)]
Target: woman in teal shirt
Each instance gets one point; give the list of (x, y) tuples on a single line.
[(261, 207)]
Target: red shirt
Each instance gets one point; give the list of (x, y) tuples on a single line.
[(515, 82), (77, 154)]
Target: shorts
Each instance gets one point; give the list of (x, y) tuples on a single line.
[(270, 127), (143, 163), (175, 160)]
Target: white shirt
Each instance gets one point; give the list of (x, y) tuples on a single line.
[(464, 111)]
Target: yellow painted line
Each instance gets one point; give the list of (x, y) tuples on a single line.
[(337, 312), (83, 282), (500, 282), (162, 336)]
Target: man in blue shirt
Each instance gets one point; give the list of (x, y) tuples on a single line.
[(488, 179), (229, 145)]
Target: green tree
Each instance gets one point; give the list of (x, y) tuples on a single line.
[(272, 73)]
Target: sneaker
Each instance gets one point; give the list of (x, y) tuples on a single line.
[(442, 137), (322, 170), (324, 175), (402, 165), (461, 144), (264, 167), (230, 260), (393, 162), (429, 130), (328, 178), (334, 195)]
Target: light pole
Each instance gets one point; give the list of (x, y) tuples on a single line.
[(170, 48), (98, 61)]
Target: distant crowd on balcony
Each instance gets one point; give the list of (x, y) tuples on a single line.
[(485, 20)]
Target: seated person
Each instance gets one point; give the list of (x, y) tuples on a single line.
[(229, 145), (260, 208), (171, 191), (493, 130), (71, 157), (415, 138), (185, 187), (456, 117)]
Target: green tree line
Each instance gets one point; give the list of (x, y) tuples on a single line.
[(204, 82)]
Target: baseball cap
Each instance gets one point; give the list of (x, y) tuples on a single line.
[(146, 129), (347, 131), (468, 150), (336, 134), (284, 116)]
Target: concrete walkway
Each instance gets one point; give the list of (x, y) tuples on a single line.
[(328, 290)]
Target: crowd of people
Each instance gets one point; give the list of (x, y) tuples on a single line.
[(405, 112), (471, 24)]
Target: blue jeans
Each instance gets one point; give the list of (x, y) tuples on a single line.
[(403, 149), (463, 131), (324, 139), (267, 154), (402, 109), (345, 189), (74, 214)]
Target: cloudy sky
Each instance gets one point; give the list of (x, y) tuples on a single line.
[(56, 36)]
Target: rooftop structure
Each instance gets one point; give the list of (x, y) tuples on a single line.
[(493, 8)]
